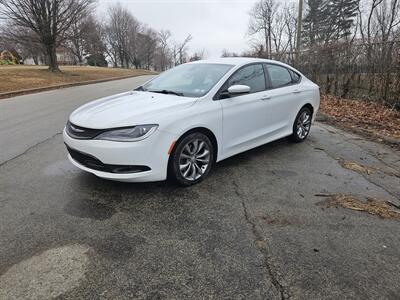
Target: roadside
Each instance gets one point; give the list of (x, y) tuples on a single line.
[(19, 80), (28, 120), (368, 119)]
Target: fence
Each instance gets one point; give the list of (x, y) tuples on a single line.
[(363, 71)]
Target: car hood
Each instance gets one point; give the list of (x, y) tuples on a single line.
[(128, 109)]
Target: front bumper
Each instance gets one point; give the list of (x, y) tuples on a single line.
[(151, 152)]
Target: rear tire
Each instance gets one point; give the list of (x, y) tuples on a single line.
[(191, 160), (301, 126)]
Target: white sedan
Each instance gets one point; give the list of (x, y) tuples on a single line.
[(180, 123)]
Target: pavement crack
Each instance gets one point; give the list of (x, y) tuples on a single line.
[(261, 246), (29, 149), (361, 174), (395, 195), (350, 141)]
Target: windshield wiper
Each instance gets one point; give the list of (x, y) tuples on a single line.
[(167, 92)]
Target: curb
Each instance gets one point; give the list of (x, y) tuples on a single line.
[(61, 86), (323, 118)]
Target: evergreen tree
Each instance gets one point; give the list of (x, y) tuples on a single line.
[(342, 14), (329, 20), (315, 21)]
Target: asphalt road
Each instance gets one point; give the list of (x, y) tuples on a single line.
[(31, 119), (254, 229)]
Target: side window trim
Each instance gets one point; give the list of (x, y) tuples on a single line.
[(290, 73), (223, 87), (294, 72), (267, 77)]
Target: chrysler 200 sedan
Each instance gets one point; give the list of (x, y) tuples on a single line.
[(180, 123)]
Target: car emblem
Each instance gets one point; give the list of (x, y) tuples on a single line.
[(76, 129)]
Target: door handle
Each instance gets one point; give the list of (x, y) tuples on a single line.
[(297, 92), (265, 98)]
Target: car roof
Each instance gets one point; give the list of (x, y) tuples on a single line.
[(238, 61)]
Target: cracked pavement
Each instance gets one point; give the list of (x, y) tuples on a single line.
[(251, 230)]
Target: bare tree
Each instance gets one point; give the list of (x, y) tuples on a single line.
[(23, 40), (180, 50), (49, 19), (121, 30), (135, 31), (147, 45), (291, 32), (94, 44), (349, 54), (111, 44), (164, 36), (272, 26), (379, 22), (388, 18), (366, 30), (227, 53), (175, 54), (114, 40), (261, 21), (78, 35), (283, 31), (198, 55)]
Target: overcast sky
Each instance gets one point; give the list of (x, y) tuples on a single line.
[(214, 24)]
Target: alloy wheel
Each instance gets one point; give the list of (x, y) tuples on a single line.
[(303, 125), (194, 159)]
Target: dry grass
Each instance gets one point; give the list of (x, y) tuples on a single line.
[(362, 169), (380, 208), (15, 78), (373, 118), (356, 167)]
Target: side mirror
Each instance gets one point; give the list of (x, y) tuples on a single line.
[(235, 90), (238, 89)]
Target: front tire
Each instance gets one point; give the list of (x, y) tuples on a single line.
[(302, 125), (192, 159)]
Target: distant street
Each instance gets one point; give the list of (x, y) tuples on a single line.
[(31, 119)]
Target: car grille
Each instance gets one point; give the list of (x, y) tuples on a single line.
[(92, 162), (81, 133)]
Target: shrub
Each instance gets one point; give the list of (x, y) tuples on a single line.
[(6, 62), (97, 60), (6, 55)]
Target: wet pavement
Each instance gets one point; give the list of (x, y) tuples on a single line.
[(254, 229)]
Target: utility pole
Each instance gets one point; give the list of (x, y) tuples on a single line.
[(299, 26)]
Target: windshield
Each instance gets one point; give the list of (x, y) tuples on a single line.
[(189, 80)]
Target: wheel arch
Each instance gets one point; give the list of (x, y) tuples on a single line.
[(309, 106), (200, 129), (206, 132)]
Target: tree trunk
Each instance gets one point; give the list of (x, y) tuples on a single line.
[(127, 62), (114, 60), (52, 58), (328, 84), (266, 41)]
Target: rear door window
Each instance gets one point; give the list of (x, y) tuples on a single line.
[(279, 76)]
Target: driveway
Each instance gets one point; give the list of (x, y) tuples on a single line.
[(259, 227)]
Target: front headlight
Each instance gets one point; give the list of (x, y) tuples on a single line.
[(129, 134)]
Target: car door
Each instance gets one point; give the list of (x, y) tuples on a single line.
[(244, 115), (282, 99)]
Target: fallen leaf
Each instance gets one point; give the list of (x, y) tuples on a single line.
[(373, 206), (366, 115)]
